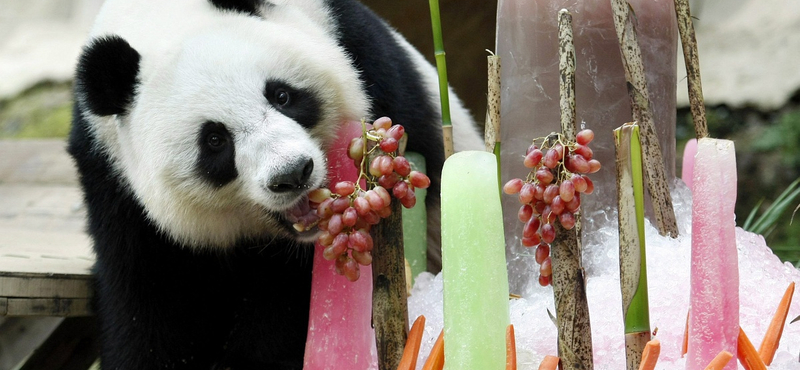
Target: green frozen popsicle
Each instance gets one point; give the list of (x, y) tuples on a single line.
[(473, 264), (415, 224)]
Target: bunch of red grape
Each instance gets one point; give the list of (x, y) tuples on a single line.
[(552, 191), (347, 212)]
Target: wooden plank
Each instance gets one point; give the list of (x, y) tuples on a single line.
[(54, 286), (3, 306), (73, 345), (59, 307)]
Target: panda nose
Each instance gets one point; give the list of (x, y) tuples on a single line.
[(294, 178)]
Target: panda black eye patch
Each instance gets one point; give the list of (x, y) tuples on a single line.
[(301, 105), (216, 159)]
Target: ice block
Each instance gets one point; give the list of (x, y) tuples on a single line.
[(527, 42), (473, 264), (339, 332), (714, 315), (687, 171)]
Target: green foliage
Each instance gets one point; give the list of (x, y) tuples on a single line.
[(39, 112), (783, 136), (765, 223)]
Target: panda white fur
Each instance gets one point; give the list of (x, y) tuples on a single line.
[(198, 125)]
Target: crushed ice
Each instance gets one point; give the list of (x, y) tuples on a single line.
[(763, 281)]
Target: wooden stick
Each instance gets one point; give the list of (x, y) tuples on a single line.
[(389, 297), (435, 359), (569, 286), (492, 132), (747, 354), (650, 355), (719, 362), (773, 335), (643, 114), (511, 348), (492, 129), (692, 61), (410, 353), (566, 68), (549, 363)]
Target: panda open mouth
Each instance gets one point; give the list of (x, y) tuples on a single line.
[(302, 219)]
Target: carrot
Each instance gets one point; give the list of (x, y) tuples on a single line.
[(685, 347), (719, 362), (773, 335), (747, 354), (511, 349), (650, 355), (549, 363), (409, 359), (436, 358)]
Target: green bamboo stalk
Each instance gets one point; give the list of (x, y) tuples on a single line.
[(632, 256), (441, 67)]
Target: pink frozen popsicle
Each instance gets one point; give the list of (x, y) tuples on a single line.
[(339, 332), (687, 172), (714, 317)]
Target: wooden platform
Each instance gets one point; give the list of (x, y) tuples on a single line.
[(45, 255)]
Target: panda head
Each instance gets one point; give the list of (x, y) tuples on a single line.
[(222, 137)]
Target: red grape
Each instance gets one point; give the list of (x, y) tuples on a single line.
[(382, 123), (419, 179), (544, 176), (548, 233), (542, 252), (545, 280), (389, 145), (344, 188), (526, 194), (567, 220), (513, 186), (401, 166), (533, 158), (546, 268), (589, 185), (594, 166), (566, 190), (584, 137), (525, 213), (396, 132)]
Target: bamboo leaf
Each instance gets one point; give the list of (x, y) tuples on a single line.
[(748, 223)]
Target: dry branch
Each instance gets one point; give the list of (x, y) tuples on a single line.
[(569, 288), (389, 298), (643, 114), (690, 57)]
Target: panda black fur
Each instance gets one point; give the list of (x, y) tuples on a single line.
[(197, 125)]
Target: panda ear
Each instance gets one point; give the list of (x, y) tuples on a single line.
[(249, 7), (107, 75)]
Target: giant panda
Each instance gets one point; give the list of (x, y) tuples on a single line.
[(198, 125)]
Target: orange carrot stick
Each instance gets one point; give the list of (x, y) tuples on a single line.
[(650, 355), (549, 363), (410, 353), (773, 335), (719, 362), (511, 349), (685, 347), (436, 358), (747, 354)]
